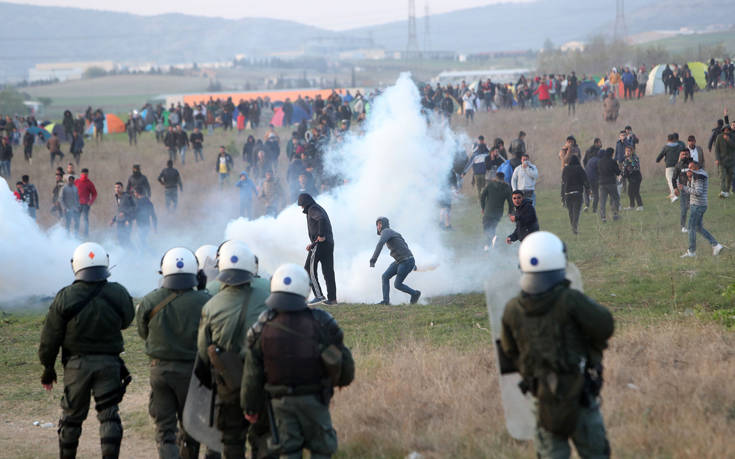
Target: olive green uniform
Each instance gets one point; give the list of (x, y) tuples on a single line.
[(224, 323), (168, 321), (556, 340), (90, 342), (283, 362), (213, 287), (725, 154)]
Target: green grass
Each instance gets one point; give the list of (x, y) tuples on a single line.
[(680, 43)]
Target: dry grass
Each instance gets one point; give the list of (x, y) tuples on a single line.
[(444, 403)]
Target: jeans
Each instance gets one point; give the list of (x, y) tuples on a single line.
[(611, 190), (595, 189), (684, 207), (400, 270), (696, 214), (198, 155), (53, 156), (530, 194), (172, 154), (182, 153), (172, 198), (246, 208), (489, 225), (32, 212), (71, 216), (223, 178), (84, 212), (726, 177), (5, 168), (634, 189)]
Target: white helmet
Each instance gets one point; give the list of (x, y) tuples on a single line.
[(90, 262), (236, 263), (179, 269), (543, 261), (289, 288), (206, 256)]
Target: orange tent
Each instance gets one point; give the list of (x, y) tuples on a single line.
[(252, 95), (114, 124)]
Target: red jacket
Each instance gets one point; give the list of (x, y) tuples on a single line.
[(86, 189), (542, 91)]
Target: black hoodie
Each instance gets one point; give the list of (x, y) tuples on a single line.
[(317, 220)]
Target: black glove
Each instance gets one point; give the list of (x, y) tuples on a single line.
[(372, 263), (201, 280), (48, 376)]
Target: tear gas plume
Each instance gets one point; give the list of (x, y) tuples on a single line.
[(396, 168)]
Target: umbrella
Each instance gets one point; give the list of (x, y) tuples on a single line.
[(36, 130)]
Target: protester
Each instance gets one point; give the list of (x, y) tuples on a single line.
[(248, 192), (569, 150), (632, 173), (670, 154), (402, 265), (197, 144), (6, 155), (224, 165), (696, 186), (524, 179), (574, 184), (138, 181), (87, 196), (124, 215), (76, 146), (145, 215), (320, 248), (54, 148), (680, 176), (725, 160), (492, 201), (272, 194), (70, 203), (172, 184), (524, 216), (30, 196), (590, 166), (610, 108), (608, 172)]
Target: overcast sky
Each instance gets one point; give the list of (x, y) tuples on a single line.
[(328, 14)]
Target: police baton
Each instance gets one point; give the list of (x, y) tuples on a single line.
[(272, 422)]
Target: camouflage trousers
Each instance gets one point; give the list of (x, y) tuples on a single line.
[(303, 422), (589, 438), (86, 376)]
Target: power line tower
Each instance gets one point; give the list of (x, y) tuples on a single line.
[(412, 47), (427, 32), (621, 31)]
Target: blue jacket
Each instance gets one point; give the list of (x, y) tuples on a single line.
[(507, 171), (247, 189)]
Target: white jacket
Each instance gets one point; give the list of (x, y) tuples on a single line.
[(524, 178)]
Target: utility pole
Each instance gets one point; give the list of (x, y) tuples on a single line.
[(412, 47), (427, 32), (621, 31)]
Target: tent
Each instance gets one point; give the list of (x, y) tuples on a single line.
[(113, 125), (277, 119), (698, 70), (37, 130), (655, 84), (587, 91), (299, 114)]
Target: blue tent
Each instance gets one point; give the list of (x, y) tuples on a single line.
[(300, 114), (587, 91)]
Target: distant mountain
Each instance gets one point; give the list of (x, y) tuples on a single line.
[(32, 34)]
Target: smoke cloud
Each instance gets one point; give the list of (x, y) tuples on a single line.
[(396, 168)]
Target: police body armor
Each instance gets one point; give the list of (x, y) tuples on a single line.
[(292, 355)]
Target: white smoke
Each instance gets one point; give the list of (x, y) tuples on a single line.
[(397, 169)]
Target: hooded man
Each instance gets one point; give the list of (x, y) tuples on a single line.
[(402, 266), (138, 181), (320, 248)]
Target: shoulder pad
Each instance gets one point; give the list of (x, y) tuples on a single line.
[(329, 324), (257, 328)]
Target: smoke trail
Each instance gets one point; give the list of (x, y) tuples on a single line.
[(397, 169)]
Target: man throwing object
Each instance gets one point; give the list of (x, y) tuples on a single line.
[(404, 262)]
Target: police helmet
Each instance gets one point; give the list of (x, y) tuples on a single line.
[(179, 268), (543, 261), (90, 262), (289, 288), (236, 263)]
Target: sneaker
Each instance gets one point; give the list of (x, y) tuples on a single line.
[(684, 229), (486, 248), (724, 194), (319, 300), (674, 198), (415, 297), (604, 220), (329, 302), (383, 303), (627, 208), (639, 208), (689, 254), (585, 209), (717, 249)]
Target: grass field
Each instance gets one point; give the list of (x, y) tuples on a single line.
[(682, 43), (426, 378)]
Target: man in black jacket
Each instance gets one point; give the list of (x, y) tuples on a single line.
[(320, 248), (524, 217), (608, 172), (171, 181), (574, 184), (138, 181)]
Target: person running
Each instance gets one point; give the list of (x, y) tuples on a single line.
[(320, 248), (696, 186), (492, 201), (680, 176), (524, 216), (402, 266)]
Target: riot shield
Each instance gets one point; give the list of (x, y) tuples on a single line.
[(518, 408), (198, 410)]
